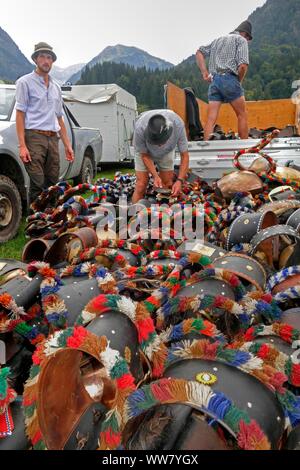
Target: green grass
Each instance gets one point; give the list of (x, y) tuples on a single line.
[(13, 248)]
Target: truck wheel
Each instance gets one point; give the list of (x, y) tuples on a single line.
[(10, 209), (86, 174)]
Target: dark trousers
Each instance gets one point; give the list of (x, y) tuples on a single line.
[(43, 170)]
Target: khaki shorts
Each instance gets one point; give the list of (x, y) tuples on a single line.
[(164, 163)]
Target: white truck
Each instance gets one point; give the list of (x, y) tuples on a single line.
[(211, 159), (111, 109), (14, 181)]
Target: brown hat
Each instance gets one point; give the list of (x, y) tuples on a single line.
[(43, 47)]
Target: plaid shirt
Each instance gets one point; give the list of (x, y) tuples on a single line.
[(226, 53)]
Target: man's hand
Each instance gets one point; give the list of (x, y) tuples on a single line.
[(24, 154), (69, 153), (157, 182), (207, 77), (176, 188)]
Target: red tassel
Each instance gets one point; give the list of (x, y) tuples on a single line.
[(249, 335), (295, 375), (251, 437), (37, 437), (78, 337), (111, 439), (6, 423), (145, 328), (263, 351), (286, 332), (126, 382), (98, 304)]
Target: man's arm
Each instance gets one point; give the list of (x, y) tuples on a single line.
[(200, 59), (20, 127), (64, 137), (22, 102), (148, 162), (184, 165), (243, 68), (242, 58), (183, 169)]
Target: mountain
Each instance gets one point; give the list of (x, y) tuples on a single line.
[(274, 62), (126, 55), (13, 63), (276, 23), (275, 50), (61, 75)]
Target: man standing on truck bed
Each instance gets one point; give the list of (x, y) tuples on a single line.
[(156, 135), (39, 119), (228, 65)]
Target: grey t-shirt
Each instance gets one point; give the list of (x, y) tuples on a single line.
[(178, 137)]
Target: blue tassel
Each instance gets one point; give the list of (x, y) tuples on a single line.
[(101, 272), (134, 401), (244, 318), (177, 333), (241, 358), (219, 405)]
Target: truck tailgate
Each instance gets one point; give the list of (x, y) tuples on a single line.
[(210, 160)]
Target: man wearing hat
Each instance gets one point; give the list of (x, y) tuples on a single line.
[(39, 122), (156, 135), (228, 65)]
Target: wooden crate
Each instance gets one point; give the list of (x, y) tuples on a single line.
[(261, 114)]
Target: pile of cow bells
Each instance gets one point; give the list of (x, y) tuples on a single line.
[(156, 342)]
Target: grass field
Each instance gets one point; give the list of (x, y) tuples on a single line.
[(13, 248)]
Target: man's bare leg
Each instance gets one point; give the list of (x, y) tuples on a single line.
[(212, 116), (239, 107), (142, 179)]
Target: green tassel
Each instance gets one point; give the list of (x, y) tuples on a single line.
[(62, 339), (29, 410), (110, 423), (149, 401), (119, 369), (227, 355), (288, 368), (34, 371), (149, 306), (233, 418), (254, 349), (40, 445), (3, 382), (198, 324)]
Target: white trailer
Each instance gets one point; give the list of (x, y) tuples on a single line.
[(111, 109)]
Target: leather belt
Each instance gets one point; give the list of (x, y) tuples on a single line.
[(46, 133)]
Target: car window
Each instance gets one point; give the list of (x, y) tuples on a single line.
[(7, 96)]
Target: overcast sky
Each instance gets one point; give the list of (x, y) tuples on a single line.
[(78, 30)]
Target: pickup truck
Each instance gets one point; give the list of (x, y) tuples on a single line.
[(14, 182), (212, 159)]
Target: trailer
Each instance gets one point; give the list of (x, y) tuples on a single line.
[(111, 109), (212, 159)]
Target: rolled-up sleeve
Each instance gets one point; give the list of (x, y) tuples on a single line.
[(205, 50), (139, 142), (242, 52), (22, 96), (182, 143)]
